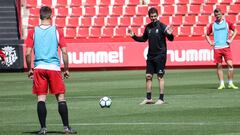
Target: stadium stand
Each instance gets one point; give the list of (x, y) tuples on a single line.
[(106, 17)]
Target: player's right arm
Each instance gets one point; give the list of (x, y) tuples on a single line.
[(142, 38), (207, 35), (29, 42)]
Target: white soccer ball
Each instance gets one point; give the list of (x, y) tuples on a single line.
[(105, 102)]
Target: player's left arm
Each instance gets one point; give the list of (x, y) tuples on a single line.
[(29, 42), (63, 46), (169, 32), (233, 28)]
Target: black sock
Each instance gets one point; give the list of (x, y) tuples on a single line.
[(42, 113), (63, 111), (149, 95), (161, 96)]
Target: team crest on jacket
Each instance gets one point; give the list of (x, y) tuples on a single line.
[(11, 55), (156, 30)]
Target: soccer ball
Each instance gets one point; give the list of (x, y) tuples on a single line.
[(105, 102)]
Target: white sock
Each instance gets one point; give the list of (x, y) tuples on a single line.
[(230, 82), (221, 82)]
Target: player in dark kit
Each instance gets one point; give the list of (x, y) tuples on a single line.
[(156, 33)]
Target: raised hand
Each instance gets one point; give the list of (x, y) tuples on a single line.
[(169, 29), (130, 32)]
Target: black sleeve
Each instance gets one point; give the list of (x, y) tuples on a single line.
[(169, 37), (142, 38)]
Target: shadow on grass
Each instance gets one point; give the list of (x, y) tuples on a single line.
[(48, 132)]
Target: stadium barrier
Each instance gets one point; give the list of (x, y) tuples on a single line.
[(14, 57), (126, 55)]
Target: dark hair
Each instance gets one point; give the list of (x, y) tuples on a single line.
[(152, 10), (45, 12), (217, 10)]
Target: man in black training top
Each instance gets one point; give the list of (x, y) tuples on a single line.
[(156, 33)]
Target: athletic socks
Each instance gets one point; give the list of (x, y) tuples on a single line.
[(63, 111), (42, 113), (161, 96), (149, 95)]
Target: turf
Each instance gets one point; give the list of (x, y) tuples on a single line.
[(193, 105)]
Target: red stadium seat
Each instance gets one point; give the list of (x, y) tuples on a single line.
[(76, 3), (95, 32), (238, 29), (222, 7), (107, 32), (73, 22), (194, 9), (98, 21), (142, 29), (32, 22), (142, 10), (124, 21), (238, 22), (60, 22), (76, 11), (234, 9), (70, 32), (154, 2), (196, 2), (137, 21), (184, 31), (85, 21), (190, 20), (228, 2), (120, 32), (167, 2), (119, 2), (198, 31), (104, 2), (207, 10), (47, 3), (237, 2), (90, 11), (164, 19), (182, 2), (90, 3), (116, 11), (147, 20), (168, 10), (62, 11), (181, 10), (103, 11), (129, 10), (112, 21), (231, 18), (31, 3), (133, 2), (177, 20), (211, 2), (33, 12), (203, 20), (62, 3), (82, 32)]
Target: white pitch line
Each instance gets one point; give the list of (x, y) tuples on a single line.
[(130, 123)]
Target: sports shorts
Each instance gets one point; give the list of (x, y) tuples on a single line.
[(45, 81), (156, 65), (219, 54)]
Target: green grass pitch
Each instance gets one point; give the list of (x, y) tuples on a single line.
[(193, 104)]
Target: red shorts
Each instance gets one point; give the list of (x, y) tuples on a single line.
[(44, 79), (219, 54)]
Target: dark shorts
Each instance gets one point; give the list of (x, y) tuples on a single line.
[(156, 65)]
